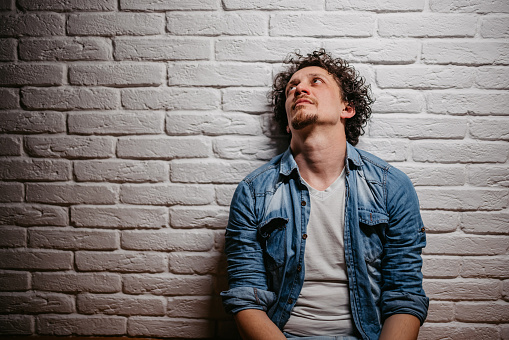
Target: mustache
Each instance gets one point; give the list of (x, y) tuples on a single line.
[(301, 97)]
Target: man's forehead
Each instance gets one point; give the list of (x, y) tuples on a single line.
[(311, 71)]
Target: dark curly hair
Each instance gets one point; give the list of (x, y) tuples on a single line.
[(354, 91)]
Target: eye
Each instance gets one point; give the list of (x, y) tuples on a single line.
[(291, 88), (317, 81)]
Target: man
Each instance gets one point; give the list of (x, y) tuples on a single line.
[(324, 241)]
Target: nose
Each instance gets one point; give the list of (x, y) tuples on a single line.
[(301, 88)]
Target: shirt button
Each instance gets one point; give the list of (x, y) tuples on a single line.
[(299, 268), (305, 236), (303, 203), (290, 300)]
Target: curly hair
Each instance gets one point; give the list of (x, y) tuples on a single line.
[(354, 91)]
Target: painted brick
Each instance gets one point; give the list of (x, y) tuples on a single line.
[(167, 284), (440, 311), (127, 262), (164, 194), (73, 239), (70, 147), (8, 49), (492, 78), (469, 6), (162, 48), (465, 52), (166, 240), (70, 282), (170, 5), (212, 123), (31, 74), (171, 99), (33, 215), (497, 311), (135, 74), (120, 304), (398, 101), (485, 222), (219, 75), (36, 259), (224, 194), (459, 152), (216, 23), (417, 126), (380, 6), (489, 128), (322, 25), (257, 148), (70, 193), (424, 77), (462, 289), (210, 171), (35, 169), (441, 267), (391, 150), (69, 5), (435, 174), (10, 98), (18, 303), (165, 327), (485, 267), (460, 244), (476, 103), (427, 25), (65, 49), (195, 263), (219, 241), (479, 175), (116, 123), (13, 237), (119, 217), (14, 281), (16, 324), (162, 148), (440, 221), (81, 325), (32, 24), (376, 51), (65, 98), (463, 198), (505, 289), (113, 24), (245, 100), (504, 332), (195, 307), (495, 27), (32, 122), (198, 217), (121, 171), (271, 5), (458, 331), (10, 145)]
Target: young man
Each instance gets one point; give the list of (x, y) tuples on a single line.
[(324, 241)]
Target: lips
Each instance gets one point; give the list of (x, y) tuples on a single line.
[(302, 100)]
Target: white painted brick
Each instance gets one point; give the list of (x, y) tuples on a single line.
[(379, 6), (198, 217), (72, 239), (465, 52), (216, 23), (224, 194), (459, 152), (8, 49), (65, 98), (164, 194), (391, 150), (398, 101), (417, 126), (195, 307), (119, 304), (69, 5), (458, 331), (497, 311), (32, 24), (10, 98), (70, 282), (318, 24), (489, 128), (113, 24), (434, 174), (485, 267), (65, 49), (31, 214), (167, 240), (485, 222), (127, 262), (258, 148), (32, 122), (17, 324), (167, 284), (219, 241), (71, 193), (461, 244), (440, 311), (162, 48), (469, 6), (504, 331), (13, 237), (271, 5), (210, 171), (463, 198), (476, 103), (440, 221), (31, 74), (116, 122), (441, 267), (119, 216), (10, 145), (245, 100), (29, 303), (70, 146), (121, 171), (424, 77), (505, 289), (492, 77), (378, 51), (163, 147), (427, 25), (35, 169), (130, 74), (495, 27), (169, 5), (14, 281), (462, 289), (81, 325), (261, 49), (165, 327), (480, 175), (171, 99), (195, 263), (36, 259)]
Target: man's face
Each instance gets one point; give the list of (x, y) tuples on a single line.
[(313, 96)]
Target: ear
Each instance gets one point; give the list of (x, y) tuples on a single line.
[(287, 129), (348, 112)]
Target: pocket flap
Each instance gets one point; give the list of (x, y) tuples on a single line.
[(372, 218), (269, 225)]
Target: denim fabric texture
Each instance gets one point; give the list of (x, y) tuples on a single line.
[(384, 236)]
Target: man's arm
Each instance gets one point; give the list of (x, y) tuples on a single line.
[(400, 327), (254, 324)]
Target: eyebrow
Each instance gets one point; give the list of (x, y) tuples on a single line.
[(293, 81)]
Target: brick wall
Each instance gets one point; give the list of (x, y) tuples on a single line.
[(127, 123)]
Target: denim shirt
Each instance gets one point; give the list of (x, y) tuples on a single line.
[(383, 239)]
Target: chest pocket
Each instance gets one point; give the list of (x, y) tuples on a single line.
[(372, 228), (273, 239)]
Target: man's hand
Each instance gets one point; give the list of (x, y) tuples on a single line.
[(400, 327), (254, 324)]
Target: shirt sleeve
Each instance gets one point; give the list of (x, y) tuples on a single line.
[(405, 236)]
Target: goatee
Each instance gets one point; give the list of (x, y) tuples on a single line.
[(299, 124)]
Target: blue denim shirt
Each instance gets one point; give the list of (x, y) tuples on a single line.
[(383, 239)]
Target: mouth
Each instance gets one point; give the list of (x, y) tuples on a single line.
[(302, 101)]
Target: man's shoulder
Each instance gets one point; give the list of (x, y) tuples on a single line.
[(267, 170)]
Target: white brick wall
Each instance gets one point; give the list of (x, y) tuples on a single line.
[(125, 126)]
